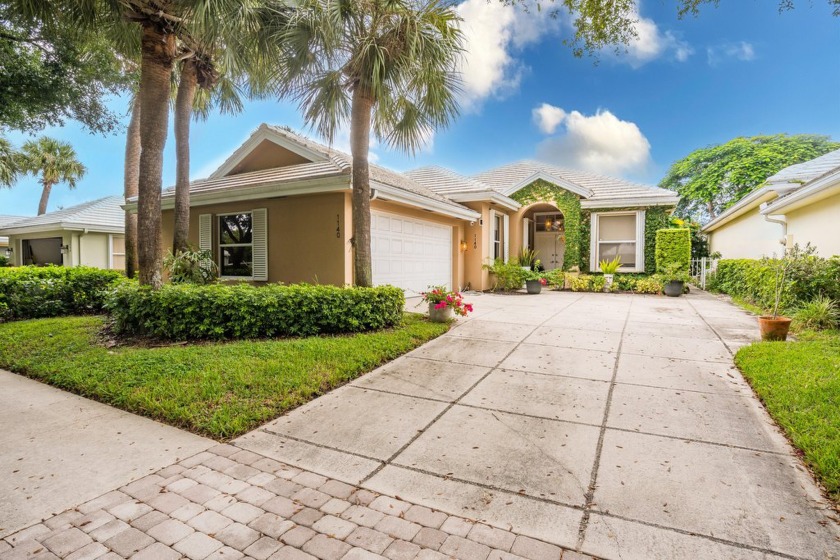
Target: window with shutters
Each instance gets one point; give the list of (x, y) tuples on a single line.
[(236, 245)]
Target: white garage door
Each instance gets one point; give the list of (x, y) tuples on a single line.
[(411, 254)]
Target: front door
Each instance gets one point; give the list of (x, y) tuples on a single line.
[(549, 239)]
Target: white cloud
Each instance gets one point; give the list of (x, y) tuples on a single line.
[(602, 143), (493, 32), (741, 50), (651, 43), (548, 117)]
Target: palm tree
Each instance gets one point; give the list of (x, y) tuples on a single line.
[(54, 161), (131, 180), (386, 66), (8, 163)]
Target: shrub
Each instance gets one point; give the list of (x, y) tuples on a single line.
[(555, 278), (649, 285), (673, 246), (4, 261), (509, 276), (587, 283), (28, 292), (191, 267), (233, 311), (820, 313)]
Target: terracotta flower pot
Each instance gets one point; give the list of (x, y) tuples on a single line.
[(773, 329), (439, 315), (533, 286)]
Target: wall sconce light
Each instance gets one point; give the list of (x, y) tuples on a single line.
[(463, 245), (65, 249), (9, 252)]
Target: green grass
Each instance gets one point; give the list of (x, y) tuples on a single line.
[(799, 383), (217, 389)]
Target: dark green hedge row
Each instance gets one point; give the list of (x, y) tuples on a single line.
[(28, 292), (232, 311), (753, 280), (673, 245)]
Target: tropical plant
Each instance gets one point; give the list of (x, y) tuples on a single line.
[(131, 182), (507, 276), (386, 68), (555, 278), (711, 179), (536, 276), (674, 272), (8, 163), (191, 267), (441, 298), (819, 313), (610, 267), (54, 161), (528, 257)]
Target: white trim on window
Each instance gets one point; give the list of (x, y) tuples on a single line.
[(526, 233), (506, 236), (222, 246), (594, 244)]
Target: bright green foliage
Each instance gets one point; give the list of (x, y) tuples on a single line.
[(587, 283), (799, 383), (555, 278), (53, 161), (568, 203), (673, 246), (191, 267), (649, 285), (236, 311), (507, 276), (29, 291), (218, 389), (820, 313), (754, 281), (610, 267), (711, 179), (51, 71)]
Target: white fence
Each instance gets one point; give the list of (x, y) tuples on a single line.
[(701, 268)]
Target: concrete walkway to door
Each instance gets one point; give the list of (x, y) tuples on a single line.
[(614, 425)]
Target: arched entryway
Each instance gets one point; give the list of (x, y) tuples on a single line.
[(544, 231)]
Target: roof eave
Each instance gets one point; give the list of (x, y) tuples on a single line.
[(394, 194), (630, 201), (559, 181), (62, 226), (494, 197), (822, 187)]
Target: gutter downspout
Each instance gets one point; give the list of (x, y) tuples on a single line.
[(779, 219)]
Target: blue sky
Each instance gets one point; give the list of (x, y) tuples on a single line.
[(740, 69)]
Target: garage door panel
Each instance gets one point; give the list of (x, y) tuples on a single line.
[(409, 253)]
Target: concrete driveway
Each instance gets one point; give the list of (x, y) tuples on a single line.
[(613, 425)]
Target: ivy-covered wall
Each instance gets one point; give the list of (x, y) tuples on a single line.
[(656, 218), (569, 204)]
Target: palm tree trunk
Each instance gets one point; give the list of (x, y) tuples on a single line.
[(183, 114), (360, 147), (130, 181), (45, 197), (158, 53)]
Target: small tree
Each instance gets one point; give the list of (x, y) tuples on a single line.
[(54, 161), (8, 163)]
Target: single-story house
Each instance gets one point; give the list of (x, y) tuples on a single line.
[(799, 204), (88, 234), (5, 221), (279, 209)]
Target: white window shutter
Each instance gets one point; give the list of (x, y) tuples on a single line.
[(259, 233), (506, 236), (205, 232), (526, 233), (492, 230)]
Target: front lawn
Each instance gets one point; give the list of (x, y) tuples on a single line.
[(217, 389), (799, 383)]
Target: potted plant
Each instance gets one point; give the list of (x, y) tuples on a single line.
[(443, 303), (527, 258), (609, 268), (775, 327), (534, 281), (674, 278)]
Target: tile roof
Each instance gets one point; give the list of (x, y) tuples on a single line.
[(445, 181), (602, 188), (106, 213), (7, 220), (808, 170)]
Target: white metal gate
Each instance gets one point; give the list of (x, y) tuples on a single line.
[(701, 268)]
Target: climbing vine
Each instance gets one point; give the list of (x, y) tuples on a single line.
[(568, 203)]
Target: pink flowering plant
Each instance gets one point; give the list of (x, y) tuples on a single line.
[(442, 298)]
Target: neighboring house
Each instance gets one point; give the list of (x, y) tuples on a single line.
[(279, 209), (89, 234), (799, 204), (5, 221)]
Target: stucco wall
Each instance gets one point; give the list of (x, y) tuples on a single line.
[(93, 250), (90, 249), (819, 224), (303, 244), (747, 237)]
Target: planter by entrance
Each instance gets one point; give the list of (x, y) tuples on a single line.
[(773, 329), (674, 288), (533, 286), (439, 315)]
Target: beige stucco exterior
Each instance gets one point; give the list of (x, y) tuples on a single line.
[(85, 249), (749, 236), (817, 224)]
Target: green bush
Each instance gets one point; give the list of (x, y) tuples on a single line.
[(673, 246), (821, 313), (508, 276), (235, 311), (4, 261), (587, 283), (649, 285), (753, 281), (28, 292), (555, 278)]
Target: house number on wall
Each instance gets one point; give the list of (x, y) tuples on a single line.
[(475, 241), (337, 225)]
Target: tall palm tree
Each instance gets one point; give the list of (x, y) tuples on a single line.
[(383, 66), (131, 181), (8, 163), (54, 161)]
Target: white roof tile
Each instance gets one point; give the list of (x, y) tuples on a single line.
[(808, 170), (444, 181), (105, 213)]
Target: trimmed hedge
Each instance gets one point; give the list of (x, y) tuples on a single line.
[(753, 281), (28, 292), (235, 311), (673, 245)]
